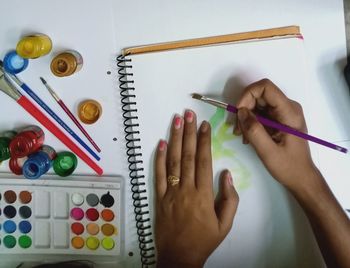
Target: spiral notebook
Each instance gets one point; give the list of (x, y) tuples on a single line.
[(156, 81)]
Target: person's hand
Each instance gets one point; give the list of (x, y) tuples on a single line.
[(286, 156), (189, 223)]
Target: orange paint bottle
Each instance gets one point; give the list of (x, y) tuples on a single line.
[(66, 63)]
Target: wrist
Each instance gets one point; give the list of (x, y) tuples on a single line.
[(306, 181), (313, 191)]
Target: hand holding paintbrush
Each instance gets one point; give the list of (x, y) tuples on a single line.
[(272, 124)]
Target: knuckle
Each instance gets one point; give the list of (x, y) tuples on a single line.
[(190, 130), (297, 107), (205, 139), (187, 157), (174, 164), (203, 162), (265, 81), (253, 128)]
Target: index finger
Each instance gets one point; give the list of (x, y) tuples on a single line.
[(263, 89)]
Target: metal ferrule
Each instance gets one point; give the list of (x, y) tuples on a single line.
[(214, 102), (52, 92), (7, 87)]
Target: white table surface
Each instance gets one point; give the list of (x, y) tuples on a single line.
[(322, 24)]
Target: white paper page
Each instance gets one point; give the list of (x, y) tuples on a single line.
[(270, 230)]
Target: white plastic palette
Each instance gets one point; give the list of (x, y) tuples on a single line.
[(63, 217)]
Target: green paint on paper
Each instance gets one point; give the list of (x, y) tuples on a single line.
[(223, 150)]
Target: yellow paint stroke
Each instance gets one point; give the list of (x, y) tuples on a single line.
[(222, 149)]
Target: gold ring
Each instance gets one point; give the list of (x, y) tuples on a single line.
[(173, 180)]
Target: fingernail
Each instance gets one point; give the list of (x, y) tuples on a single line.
[(204, 126), (177, 122), (229, 178), (162, 145), (242, 115), (189, 116)]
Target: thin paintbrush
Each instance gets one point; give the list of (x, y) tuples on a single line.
[(69, 113), (9, 89), (43, 105), (272, 124)]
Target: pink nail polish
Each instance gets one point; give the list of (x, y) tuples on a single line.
[(177, 122), (230, 180), (162, 145), (189, 116)]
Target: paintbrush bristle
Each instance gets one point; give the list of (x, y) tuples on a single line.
[(43, 80), (197, 96)]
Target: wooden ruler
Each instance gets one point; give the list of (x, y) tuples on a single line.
[(289, 31)]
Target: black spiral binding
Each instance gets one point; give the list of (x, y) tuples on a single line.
[(140, 202)]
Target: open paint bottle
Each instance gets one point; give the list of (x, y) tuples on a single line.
[(39, 163), (66, 63), (65, 163), (14, 64)]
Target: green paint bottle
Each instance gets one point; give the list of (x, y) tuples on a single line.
[(5, 140), (65, 163)]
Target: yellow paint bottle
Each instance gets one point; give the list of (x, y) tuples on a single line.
[(34, 46), (66, 63)]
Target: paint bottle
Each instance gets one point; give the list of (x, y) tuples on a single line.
[(66, 63), (5, 140), (14, 64), (34, 46), (39, 163), (27, 141), (16, 164), (65, 163), (89, 111)]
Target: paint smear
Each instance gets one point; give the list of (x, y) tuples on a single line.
[(223, 150)]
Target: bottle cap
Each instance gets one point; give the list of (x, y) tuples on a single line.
[(89, 111), (65, 163), (14, 64), (63, 64), (28, 47)]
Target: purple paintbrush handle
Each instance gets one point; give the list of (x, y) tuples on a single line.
[(289, 130)]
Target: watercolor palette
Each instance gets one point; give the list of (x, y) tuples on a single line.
[(61, 217)]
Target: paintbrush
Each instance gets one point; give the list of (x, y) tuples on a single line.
[(69, 113), (43, 105), (9, 89), (272, 124)]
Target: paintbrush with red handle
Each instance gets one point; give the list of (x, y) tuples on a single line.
[(9, 89)]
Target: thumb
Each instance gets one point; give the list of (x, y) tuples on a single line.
[(255, 133), (226, 202)]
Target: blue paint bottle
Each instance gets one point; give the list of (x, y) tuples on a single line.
[(14, 64), (39, 163)]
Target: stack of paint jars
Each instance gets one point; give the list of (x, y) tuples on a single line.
[(29, 156), (37, 45)]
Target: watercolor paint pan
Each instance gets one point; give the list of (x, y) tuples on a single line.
[(74, 217)]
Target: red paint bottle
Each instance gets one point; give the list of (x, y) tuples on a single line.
[(16, 165), (27, 141)]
